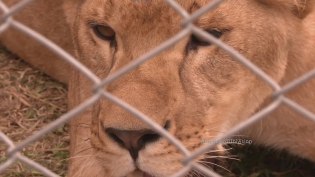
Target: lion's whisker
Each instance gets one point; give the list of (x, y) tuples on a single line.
[(195, 173), (84, 125), (83, 150), (207, 162), (75, 157), (222, 157)]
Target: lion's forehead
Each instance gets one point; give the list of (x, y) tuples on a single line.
[(128, 12), (157, 16)]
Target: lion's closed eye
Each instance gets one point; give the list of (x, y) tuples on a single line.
[(104, 32), (196, 41)]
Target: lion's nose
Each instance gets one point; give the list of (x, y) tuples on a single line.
[(132, 140)]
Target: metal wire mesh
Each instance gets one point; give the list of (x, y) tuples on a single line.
[(13, 152)]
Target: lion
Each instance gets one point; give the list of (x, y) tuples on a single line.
[(194, 89)]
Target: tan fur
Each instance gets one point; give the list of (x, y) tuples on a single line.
[(44, 22), (203, 92)]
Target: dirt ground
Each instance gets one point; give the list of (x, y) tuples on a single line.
[(28, 101)]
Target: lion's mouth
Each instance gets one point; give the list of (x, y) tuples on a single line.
[(146, 175), (143, 173)]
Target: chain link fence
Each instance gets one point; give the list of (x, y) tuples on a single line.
[(13, 152)]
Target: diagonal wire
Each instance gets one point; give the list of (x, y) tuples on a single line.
[(130, 67), (250, 121), (55, 124), (306, 77), (148, 121), (237, 56), (15, 9)]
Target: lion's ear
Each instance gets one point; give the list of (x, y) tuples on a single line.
[(300, 8)]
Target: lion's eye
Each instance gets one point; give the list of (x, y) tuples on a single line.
[(104, 32), (197, 41)]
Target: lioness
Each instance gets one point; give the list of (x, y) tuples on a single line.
[(195, 90)]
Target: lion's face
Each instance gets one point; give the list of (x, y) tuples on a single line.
[(194, 89)]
